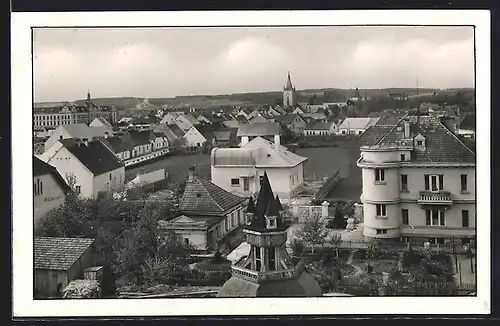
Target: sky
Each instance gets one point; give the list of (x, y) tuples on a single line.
[(170, 62)]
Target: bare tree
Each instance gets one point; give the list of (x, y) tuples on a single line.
[(313, 231)]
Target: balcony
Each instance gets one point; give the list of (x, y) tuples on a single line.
[(435, 198), (268, 276)]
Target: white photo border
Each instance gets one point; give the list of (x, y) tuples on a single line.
[(22, 219)]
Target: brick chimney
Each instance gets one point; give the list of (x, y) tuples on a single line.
[(407, 129), (277, 141)]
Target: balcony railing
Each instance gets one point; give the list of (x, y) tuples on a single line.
[(267, 276), (439, 197)]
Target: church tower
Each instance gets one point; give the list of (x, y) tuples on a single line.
[(268, 270), (289, 93)]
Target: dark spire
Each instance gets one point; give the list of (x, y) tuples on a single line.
[(88, 95), (357, 94), (278, 202), (273, 208), (250, 206), (265, 196), (289, 85)]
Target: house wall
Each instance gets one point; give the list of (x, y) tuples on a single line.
[(108, 181), (142, 149), (390, 194), (221, 176), (297, 126), (66, 164), (197, 238), (60, 131), (350, 131), (194, 137), (160, 143), (49, 196)]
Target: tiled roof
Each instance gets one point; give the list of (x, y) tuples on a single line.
[(95, 156), (287, 118), (468, 122), (225, 134), (41, 168), (270, 155), (119, 144), (441, 145), (318, 126), (103, 121), (178, 132), (206, 132), (59, 253), (203, 197), (373, 134), (241, 118), (259, 129), (142, 137)]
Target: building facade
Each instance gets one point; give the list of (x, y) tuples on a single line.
[(418, 183)]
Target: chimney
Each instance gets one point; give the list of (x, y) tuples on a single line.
[(406, 129), (244, 140), (86, 141), (106, 134), (191, 173), (78, 141), (277, 141)]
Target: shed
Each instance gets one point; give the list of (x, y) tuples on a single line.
[(58, 261)]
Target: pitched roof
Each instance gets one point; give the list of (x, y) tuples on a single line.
[(119, 143), (59, 253), (468, 122), (141, 137), (287, 118), (441, 145), (318, 126), (81, 130), (259, 129), (357, 123), (278, 201), (205, 131), (205, 198), (41, 168), (178, 132), (373, 134), (258, 152), (225, 134), (241, 118), (250, 206), (95, 156), (289, 85), (103, 121)]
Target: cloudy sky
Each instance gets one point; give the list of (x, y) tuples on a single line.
[(194, 61)]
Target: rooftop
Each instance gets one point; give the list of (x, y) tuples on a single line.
[(287, 118), (95, 156), (202, 197), (59, 253), (259, 129), (358, 123)]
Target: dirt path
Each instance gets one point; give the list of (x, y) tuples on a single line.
[(359, 271)]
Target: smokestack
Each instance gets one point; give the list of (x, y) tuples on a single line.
[(191, 173), (406, 129), (277, 141)]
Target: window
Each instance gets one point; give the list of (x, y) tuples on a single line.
[(379, 175), (271, 254), (419, 143), (261, 179), (38, 188), (381, 210), (405, 217), (235, 182), (258, 259), (465, 218), (78, 189), (186, 241), (436, 240), (60, 136), (434, 182), (403, 157), (110, 177), (434, 217), (246, 184), (381, 231), (463, 182), (404, 182), (271, 222), (343, 132)]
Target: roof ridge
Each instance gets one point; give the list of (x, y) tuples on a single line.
[(393, 127), (208, 192)]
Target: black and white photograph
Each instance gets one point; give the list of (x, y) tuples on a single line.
[(258, 157)]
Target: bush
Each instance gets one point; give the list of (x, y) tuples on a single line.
[(297, 247)]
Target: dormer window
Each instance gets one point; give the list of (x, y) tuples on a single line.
[(419, 142), (271, 222)]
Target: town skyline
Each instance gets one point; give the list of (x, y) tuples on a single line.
[(143, 63)]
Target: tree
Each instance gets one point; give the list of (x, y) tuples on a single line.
[(338, 219), (312, 231), (335, 240)]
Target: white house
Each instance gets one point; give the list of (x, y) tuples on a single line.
[(49, 189), (196, 136), (355, 126), (239, 170), (208, 214), (89, 166), (418, 183), (79, 130), (320, 129), (249, 131)]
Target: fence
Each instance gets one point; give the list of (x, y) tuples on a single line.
[(353, 287)]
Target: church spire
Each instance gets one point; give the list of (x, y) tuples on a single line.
[(289, 85), (88, 95)]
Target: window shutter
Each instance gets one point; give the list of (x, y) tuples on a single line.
[(426, 178), (441, 182), (427, 217), (441, 222)]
